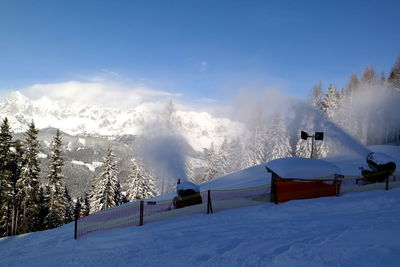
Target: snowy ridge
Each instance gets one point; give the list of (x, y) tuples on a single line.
[(200, 128)]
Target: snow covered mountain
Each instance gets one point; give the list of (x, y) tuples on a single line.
[(199, 128)]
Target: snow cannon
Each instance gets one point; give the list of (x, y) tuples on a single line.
[(381, 167), (188, 194)]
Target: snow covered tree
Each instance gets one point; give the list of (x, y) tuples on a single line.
[(69, 207), (17, 162), (82, 207), (212, 164), (234, 156), (330, 102), (85, 211), (57, 202), (303, 147), (140, 183), (6, 185), (190, 171), (256, 145), (106, 190), (43, 204), (28, 184), (394, 77), (223, 158), (382, 80), (316, 94), (278, 143)]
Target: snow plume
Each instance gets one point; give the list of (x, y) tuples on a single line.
[(165, 156), (333, 134), (274, 121), (250, 105), (371, 112)]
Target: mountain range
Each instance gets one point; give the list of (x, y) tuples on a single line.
[(88, 130)]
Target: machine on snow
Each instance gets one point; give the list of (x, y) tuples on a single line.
[(381, 167), (188, 194)]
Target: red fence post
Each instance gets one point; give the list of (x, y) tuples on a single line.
[(141, 213)]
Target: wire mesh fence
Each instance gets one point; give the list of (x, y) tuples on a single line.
[(142, 212), (360, 184), (236, 198), (117, 217), (139, 213)]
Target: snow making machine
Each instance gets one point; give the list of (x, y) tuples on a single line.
[(188, 194), (381, 167)]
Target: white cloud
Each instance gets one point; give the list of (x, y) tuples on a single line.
[(98, 92)]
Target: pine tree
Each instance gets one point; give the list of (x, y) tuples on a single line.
[(330, 102), (190, 172), (394, 77), (382, 80), (256, 145), (43, 208), (234, 156), (369, 76), (6, 185), (78, 209), (85, 206), (28, 184), (223, 158), (141, 184), (69, 208), (17, 163), (303, 147), (106, 191), (82, 207), (212, 168), (316, 94), (352, 84), (57, 201), (278, 145)]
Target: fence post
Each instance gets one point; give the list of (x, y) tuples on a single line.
[(76, 228), (209, 204), (141, 212), (387, 183), (336, 185)]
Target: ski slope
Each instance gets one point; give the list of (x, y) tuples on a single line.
[(356, 229)]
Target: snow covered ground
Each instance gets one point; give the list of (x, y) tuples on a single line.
[(356, 229)]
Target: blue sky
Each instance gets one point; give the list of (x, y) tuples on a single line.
[(197, 49)]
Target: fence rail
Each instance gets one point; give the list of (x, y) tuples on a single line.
[(142, 212)]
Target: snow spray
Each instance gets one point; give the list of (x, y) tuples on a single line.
[(166, 157), (332, 130)]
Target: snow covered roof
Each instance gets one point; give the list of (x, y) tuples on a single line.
[(302, 168)]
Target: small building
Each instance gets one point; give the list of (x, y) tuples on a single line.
[(302, 178)]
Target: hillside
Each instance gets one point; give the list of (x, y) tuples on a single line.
[(356, 229)]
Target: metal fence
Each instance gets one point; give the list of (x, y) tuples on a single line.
[(142, 212)]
